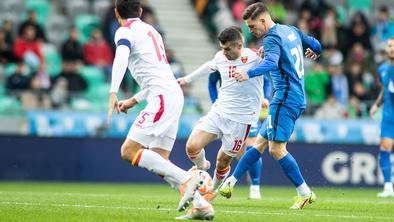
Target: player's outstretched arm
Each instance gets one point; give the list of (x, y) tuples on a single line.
[(204, 69)]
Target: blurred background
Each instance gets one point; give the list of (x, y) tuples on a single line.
[(55, 72)]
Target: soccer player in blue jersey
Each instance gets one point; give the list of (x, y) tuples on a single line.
[(386, 97), (255, 169), (283, 61)]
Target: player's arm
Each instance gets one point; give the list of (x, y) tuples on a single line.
[(205, 69), (312, 45), (119, 67), (213, 79), (377, 103), (269, 63)]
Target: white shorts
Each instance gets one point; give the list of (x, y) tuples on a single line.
[(231, 133), (157, 125)]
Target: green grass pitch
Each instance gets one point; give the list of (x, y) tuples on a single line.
[(144, 202)]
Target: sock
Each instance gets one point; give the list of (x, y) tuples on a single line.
[(385, 165), (303, 190), (155, 163), (198, 159), (388, 186), (219, 176), (248, 159), (255, 170), (291, 169)]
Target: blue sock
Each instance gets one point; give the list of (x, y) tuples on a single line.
[(255, 170), (385, 165), (248, 159), (290, 168)]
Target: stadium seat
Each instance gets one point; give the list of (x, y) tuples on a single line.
[(93, 75), (85, 25), (52, 58), (76, 7), (9, 69), (59, 26), (9, 105), (42, 7), (16, 7)]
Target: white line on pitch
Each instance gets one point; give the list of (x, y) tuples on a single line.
[(168, 209)]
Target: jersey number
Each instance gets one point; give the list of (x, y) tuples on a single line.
[(299, 63), (231, 71), (160, 52)]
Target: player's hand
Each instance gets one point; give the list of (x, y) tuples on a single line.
[(181, 81), (127, 104), (113, 103), (265, 104), (310, 54), (240, 75), (260, 52), (373, 110)]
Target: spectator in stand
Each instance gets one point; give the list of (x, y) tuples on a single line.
[(97, 52), (384, 28), (331, 109), (354, 109), (339, 82), (72, 49), (354, 76), (361, 56), (317, 85), (109, 26), (149, 17), (19, 80), (6, 53), (8, 31), (75, 82), (277, 11), (359, 31), (36, 97), (41, 78), (60, 96), (329, 31), (32, 21), (238, 8), (27, 47)]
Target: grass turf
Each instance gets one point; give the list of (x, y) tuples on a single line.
[(144, 202)]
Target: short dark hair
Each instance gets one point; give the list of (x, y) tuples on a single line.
[(230, 34), (254, 10), (128, 8)]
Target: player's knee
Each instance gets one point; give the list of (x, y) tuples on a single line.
[(192, 147), (276, 153), (126, 152), (386, 144)]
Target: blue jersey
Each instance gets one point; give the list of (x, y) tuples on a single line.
[(386, 75), (284, 61)]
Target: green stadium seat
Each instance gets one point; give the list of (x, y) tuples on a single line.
[(85, 25), (53, 60), (93, 75), (9, 69), (42, 7), (9, 105)]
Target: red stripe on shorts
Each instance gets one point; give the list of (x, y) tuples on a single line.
[(161, 110), (247, 132)]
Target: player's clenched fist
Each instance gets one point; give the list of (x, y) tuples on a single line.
[(126, 104), (240, 75), (181, 81)]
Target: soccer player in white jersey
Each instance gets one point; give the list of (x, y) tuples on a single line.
[(139, 47), (237, 107)]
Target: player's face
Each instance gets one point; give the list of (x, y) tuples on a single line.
[(390, 48), (256, 26), (232, 50)]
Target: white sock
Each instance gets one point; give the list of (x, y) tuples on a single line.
[(218, 177), (199, 159), (199, 201), (232, 180), (303, 190), (388, 187), (155, 163)]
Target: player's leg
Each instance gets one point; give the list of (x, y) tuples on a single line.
[(254, 172), (195, 147), (386, 145), (248, 159)]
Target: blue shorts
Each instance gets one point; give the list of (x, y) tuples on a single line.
[(387, 128), (280, 121), (255, 128)]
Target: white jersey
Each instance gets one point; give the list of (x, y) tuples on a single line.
[(147, 61), (238, 101)]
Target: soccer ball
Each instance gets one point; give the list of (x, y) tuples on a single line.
[(207, 183)]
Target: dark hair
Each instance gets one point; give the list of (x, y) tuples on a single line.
[(230, 34), (128, 8), (254, 10), (384, 9)]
